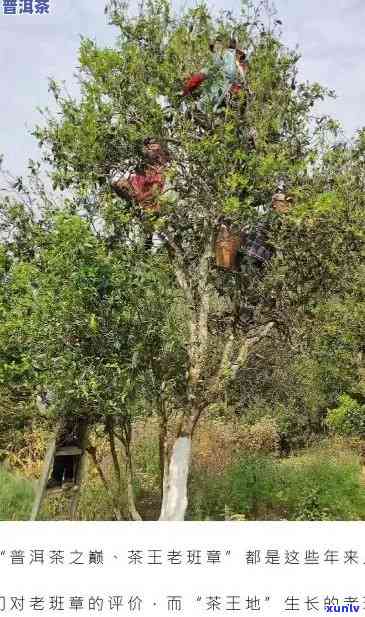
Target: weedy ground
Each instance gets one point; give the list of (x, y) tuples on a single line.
[(237, 473)]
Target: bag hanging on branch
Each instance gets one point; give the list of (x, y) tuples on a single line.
[(282, 203), (227, 245)]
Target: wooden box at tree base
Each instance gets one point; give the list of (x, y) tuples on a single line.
[(226, 248)]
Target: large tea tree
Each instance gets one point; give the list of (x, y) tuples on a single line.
[(225, 163)]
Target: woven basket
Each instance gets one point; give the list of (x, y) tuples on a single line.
[(226, 248)]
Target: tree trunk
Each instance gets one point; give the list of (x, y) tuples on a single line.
[(132, 509), (109, 489), (175, 497), (109, 426), (125, 438), (163, 446), (176, 473), (110, 429)]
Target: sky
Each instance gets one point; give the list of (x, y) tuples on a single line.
[(329, 34)]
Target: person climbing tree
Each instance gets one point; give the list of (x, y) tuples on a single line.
[(222, 79), (258, 247), (144, 186)]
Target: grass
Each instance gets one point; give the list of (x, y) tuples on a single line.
[(323, 485), (228, 480), (318, 485), (16, 496)]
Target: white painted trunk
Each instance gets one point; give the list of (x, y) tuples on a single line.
[(175, 495)]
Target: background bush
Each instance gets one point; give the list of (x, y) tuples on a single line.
[(348, 418)]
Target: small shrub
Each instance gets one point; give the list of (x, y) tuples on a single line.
[(348, 418), (309, 506), (214, 444), (292, 428), (261, 437)]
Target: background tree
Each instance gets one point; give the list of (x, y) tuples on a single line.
[(91, 328)]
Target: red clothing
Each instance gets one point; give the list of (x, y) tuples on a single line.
[(146, 186), (235, 88), (193, 82)]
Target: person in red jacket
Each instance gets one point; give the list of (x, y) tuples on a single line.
[(145, 185)]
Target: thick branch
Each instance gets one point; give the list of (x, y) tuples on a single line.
[(204, 294), (247, 345), (228, 367), (180, 273), (163, 449), (109, 427), (199, 322), (92, 452)]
